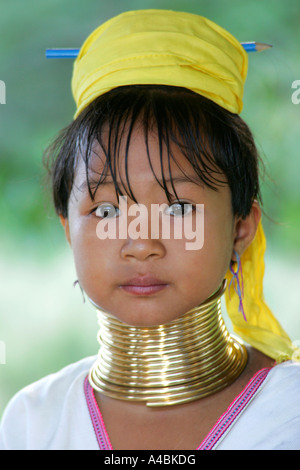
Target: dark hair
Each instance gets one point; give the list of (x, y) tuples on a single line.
[(215, 141)]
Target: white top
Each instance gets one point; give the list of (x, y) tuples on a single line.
[(59, 412)]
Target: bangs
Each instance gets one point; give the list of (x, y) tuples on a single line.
[(174, 122), (218, 145)]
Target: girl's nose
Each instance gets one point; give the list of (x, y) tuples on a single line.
[(142, 249)]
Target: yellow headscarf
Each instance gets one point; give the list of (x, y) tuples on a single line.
[(162, 48), (165, 47)]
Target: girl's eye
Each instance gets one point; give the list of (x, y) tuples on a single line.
[(107, 210), (179, 209)]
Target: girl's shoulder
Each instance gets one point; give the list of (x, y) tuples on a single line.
[(42, 403), (281, 389), (271, 419), (285, 374), (55, 383)]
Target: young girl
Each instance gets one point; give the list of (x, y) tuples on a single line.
[(157, 132)]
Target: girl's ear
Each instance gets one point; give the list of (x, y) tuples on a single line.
[(65, 224), (245, 230)]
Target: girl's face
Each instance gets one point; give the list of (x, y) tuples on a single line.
[(149, 281)]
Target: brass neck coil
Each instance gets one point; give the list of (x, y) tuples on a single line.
[(181, 361)]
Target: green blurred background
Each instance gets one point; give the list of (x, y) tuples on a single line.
[(44, 324)]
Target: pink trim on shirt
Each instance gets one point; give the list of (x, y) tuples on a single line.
[(218, 431), (96, 417), (233, 411)]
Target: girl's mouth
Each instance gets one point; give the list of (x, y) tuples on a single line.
[(144, 285)]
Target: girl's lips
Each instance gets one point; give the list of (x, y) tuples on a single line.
[(143, 286), (143, 290)]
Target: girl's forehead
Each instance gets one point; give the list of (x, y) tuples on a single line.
[(138, 158)]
